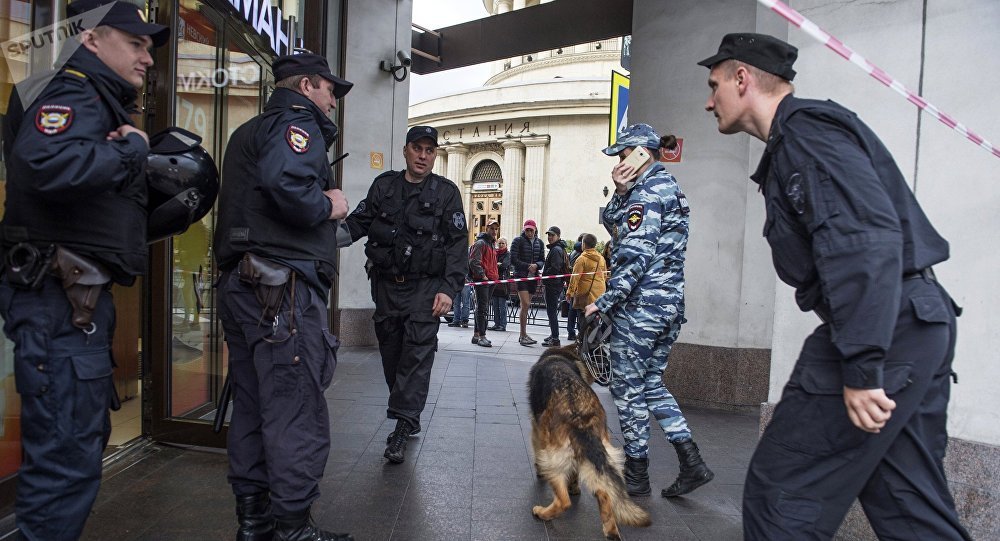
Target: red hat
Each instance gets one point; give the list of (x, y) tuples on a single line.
[(531, 224)]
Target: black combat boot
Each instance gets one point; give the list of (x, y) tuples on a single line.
[(396, 448), (694, 472), (254, 515), (300, 527), (637, 476)]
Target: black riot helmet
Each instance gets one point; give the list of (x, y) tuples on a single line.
[(183, 182)]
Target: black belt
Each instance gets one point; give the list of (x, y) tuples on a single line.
[(925, 273), (402, 278)]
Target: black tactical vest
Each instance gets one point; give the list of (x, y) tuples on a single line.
[(406, 237)]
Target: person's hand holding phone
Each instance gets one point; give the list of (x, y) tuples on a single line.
[(624, 174)]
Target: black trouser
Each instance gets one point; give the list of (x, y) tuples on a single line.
[(407, 339), (483, 294), (279, 433), (63, 377), (812, 462), (553, 289)]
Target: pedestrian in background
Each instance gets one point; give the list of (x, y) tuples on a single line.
[(556, 263), (589, 278), (501, 293), (483, 268), (571, 319), (527, 255), (462, 306), (863, 414), (648, 219)]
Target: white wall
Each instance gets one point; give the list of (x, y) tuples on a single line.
[(729, 272), (374, 118)]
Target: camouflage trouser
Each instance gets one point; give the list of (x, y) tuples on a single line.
[(640, 343)]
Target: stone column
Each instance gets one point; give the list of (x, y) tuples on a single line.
[(513, 183), (441, 163), (503, 6), (518, 4), (458, 156), (534, 178)]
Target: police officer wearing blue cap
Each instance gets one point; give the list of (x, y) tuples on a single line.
[(417, 262), (863, 414), (74, 221), (275, 243), (648, 220)]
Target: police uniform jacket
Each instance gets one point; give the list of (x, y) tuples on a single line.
[(67, 184), (844, 228), (271, 202), (649, 228), (414, 230)]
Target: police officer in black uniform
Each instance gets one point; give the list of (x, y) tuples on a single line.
[(864, 411), (275, 243), (74, 217), (418, 258)]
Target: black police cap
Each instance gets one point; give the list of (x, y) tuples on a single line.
[(309, 64), (123, 16), (418, 132), (759, 50)]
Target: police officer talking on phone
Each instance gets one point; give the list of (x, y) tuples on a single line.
[(418, 259), (74, 221), (275, 244)]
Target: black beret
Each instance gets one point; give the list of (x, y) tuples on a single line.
[(759, 50), (309, 64)]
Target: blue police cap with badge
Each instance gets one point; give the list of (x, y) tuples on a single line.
[(309, 64), (123, 16), (636, 135)]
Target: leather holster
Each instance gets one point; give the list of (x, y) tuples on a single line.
[(267, 279), (82, 279)]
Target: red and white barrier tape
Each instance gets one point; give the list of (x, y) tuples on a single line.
[(531, 279), (843, 50)]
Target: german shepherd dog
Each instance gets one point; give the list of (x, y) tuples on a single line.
[(569, 433)]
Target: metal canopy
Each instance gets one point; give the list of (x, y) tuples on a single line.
[(538, 28)]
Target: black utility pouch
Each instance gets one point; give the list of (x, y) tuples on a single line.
[(26, 265), (267, 279)]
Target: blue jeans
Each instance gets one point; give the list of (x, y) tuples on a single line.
[(462, 304), (499, 312)]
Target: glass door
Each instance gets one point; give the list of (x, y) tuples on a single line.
[(220, 83)]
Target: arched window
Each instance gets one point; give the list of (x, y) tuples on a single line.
[(486, 170)]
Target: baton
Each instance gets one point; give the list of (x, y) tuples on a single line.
[(222, 405), (338, 158)]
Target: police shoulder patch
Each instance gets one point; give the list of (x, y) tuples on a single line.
[(297, 138), (634, 216), (53, 119), (458, 220)]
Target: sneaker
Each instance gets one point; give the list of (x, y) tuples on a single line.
[(526, 340), (485, 342), (453, 324), (550, 342), (395, 449), (475, 339), (571, 338), (465, 324)]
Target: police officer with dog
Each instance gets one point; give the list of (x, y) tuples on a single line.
[(863, 414), (74, 222), (275, 243), (648, 219), (417, 262)]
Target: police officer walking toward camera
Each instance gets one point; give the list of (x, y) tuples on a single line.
[(417, 257), (74, 221), (275, 244), (864, 412)]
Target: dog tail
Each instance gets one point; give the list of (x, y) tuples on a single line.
[(601, 470)]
